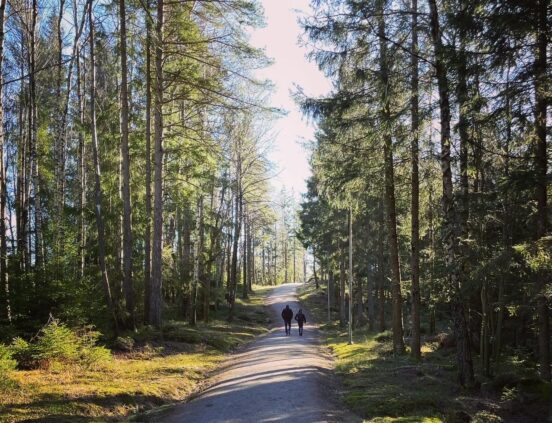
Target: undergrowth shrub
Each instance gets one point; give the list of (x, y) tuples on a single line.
[(56, 343), (7, 362)]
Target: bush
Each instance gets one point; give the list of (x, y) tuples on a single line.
[(7, 362), (124, 343), (22, 351), (56, 343)]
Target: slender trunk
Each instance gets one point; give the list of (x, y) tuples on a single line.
[(81, 152), (541, 166), (147, 230), (127, 210), (485, 335), (381, 269), (245, 258), (250, 257), (506, 219), (415, 188), (198, 260), (450, 225), (97, 176), (398, 342), (351, 297), (314, 267), (235, 244), (4, 281), (342, 279), (329, 295), (156, 286), (39, 247)]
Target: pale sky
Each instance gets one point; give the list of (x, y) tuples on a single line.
[(280, 39)]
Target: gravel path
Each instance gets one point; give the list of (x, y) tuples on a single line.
[(277, 378)]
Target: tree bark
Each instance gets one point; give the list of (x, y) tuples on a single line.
[(541, 166), (4, 281), (415, 188), (147, 230), (98, 195), (198, 260), (450, 225), (385, 122), (156, 286), (39, 247), (128, 288)]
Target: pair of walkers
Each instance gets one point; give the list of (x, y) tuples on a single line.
[(287, 315)]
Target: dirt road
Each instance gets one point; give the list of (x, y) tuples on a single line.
[(277, 378)]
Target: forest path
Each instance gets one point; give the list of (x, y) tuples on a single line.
[(277, 378)]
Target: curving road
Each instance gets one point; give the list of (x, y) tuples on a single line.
[(277, 378)]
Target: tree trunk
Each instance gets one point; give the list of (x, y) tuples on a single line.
[(541, 166), (342, 279), (235, 245), (450, 226), (415, 188), (198, 260), (127, 210), (245, 258), (98, 195), (314, 267), (39, 246), (81, 151), (381, 268), (147, 230), (156, 286), (385, 113), (4, 281)]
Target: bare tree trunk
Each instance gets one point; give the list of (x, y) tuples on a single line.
[(342, 279), (127, 210), (450, 226), (235, 242), (39, 247), (156, 299), (147, 237), (81, 150), (4, 281), (541, 166), (398, 342), (250, 256), (198, 260), (97, 176), (415, 188), (22, 203), (314, 267), (381, 269)]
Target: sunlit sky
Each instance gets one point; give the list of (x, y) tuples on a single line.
[(280, 39)]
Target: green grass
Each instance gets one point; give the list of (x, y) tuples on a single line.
[(166, 367), (380, 387)]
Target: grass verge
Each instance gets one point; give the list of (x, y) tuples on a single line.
[(165, 367), (383, 388)]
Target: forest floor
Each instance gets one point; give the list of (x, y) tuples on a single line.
[(383, 389), (164, 367), (277, 378)]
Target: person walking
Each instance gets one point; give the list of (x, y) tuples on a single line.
[(301, 320), (287, 315)]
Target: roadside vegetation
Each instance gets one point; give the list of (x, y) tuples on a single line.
[(382, 387), (63, 375)]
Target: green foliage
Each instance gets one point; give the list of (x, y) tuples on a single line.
[(7, 362), (56, 343)]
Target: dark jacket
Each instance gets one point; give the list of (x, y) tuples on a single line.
[(287, 314), (301, 319)]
